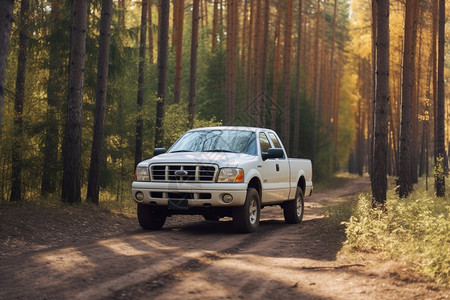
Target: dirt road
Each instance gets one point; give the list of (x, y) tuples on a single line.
[(194, 259)]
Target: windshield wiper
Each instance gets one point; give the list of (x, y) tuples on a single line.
[(219, 150), (180, 151)]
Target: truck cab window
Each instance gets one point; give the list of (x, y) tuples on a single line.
[(275, 141), (264, 142)]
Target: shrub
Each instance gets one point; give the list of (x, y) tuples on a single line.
[(415, 229)]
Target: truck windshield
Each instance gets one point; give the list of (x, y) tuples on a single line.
[(236, 141)]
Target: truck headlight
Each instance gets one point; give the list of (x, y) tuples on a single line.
[(142, 174), (231, 175)]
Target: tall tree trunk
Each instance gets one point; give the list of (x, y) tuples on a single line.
[(244, 37), (121, 6), (265, 47), (71, 186), (415, 106), (404, 180), (298, 88), (178, 44), (231, 53), (249, 57), (57, 77), (215, 24), (17, 148), (276, 68), (333, 76), (163, 53), (100, 102), (316, 67), (439, 176), (150, 32), (140, 93), (286, 122), (373, 73), (379, 180), (193, 71), (6, 18), (255, 105)]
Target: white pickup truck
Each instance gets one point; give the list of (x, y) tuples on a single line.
[(222, 172)]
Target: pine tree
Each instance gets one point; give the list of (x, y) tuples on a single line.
[(100, 102), (71, 186), (6, 18)]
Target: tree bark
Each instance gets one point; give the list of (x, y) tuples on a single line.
[(193, 71), (254, 109), (439, 175), (215, 23), (265, 47), (17, 148), (57, 76), (150, 32), (379, 180), (178, 44), (231, 66), (298, 89), (163, 53), (286, 122), (276, 69), (140, 92), (71, 186), (6, 18), (100, 103), (404, 180)]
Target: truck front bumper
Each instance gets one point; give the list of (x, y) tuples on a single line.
[(196, 194)]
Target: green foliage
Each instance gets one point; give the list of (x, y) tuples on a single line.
[(337, 214), (415, 229), (439, 176), (50, 35), (176, 123), (211, 95)]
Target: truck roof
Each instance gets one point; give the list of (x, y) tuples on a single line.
[(246, 128)]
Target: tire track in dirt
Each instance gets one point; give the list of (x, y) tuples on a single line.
[(195, 259)]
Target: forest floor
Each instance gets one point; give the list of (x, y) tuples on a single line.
[(87, 252)]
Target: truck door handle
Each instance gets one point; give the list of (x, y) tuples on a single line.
[(277, 167)]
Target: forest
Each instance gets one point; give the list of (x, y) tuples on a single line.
[(90, 88)]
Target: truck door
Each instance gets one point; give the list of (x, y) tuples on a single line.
[(275, 175), (284, 173)]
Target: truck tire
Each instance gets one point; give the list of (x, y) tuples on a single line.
[(246, 217), (149, 217), (293, 209)]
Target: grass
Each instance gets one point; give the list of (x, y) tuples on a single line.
[(333, 181), (122, 206), (415, 229)]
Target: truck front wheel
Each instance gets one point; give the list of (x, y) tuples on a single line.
[(149, 217), (293, 209), (246, 217)]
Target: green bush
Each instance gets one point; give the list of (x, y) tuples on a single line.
[(415, 229)]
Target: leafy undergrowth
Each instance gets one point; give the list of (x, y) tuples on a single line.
[(119, 206), (415, 229)]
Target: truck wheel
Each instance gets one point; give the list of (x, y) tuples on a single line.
[(149, 217), (246, 217), (293, 209)]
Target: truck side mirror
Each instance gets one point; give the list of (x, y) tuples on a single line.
[(273, 153), (158, 151)]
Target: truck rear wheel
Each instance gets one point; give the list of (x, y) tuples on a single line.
[(149, 217), (246, 217), (293, 209)]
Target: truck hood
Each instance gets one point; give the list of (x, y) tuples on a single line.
[(222, 159)]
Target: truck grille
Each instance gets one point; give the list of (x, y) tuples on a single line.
[(177, 173)]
